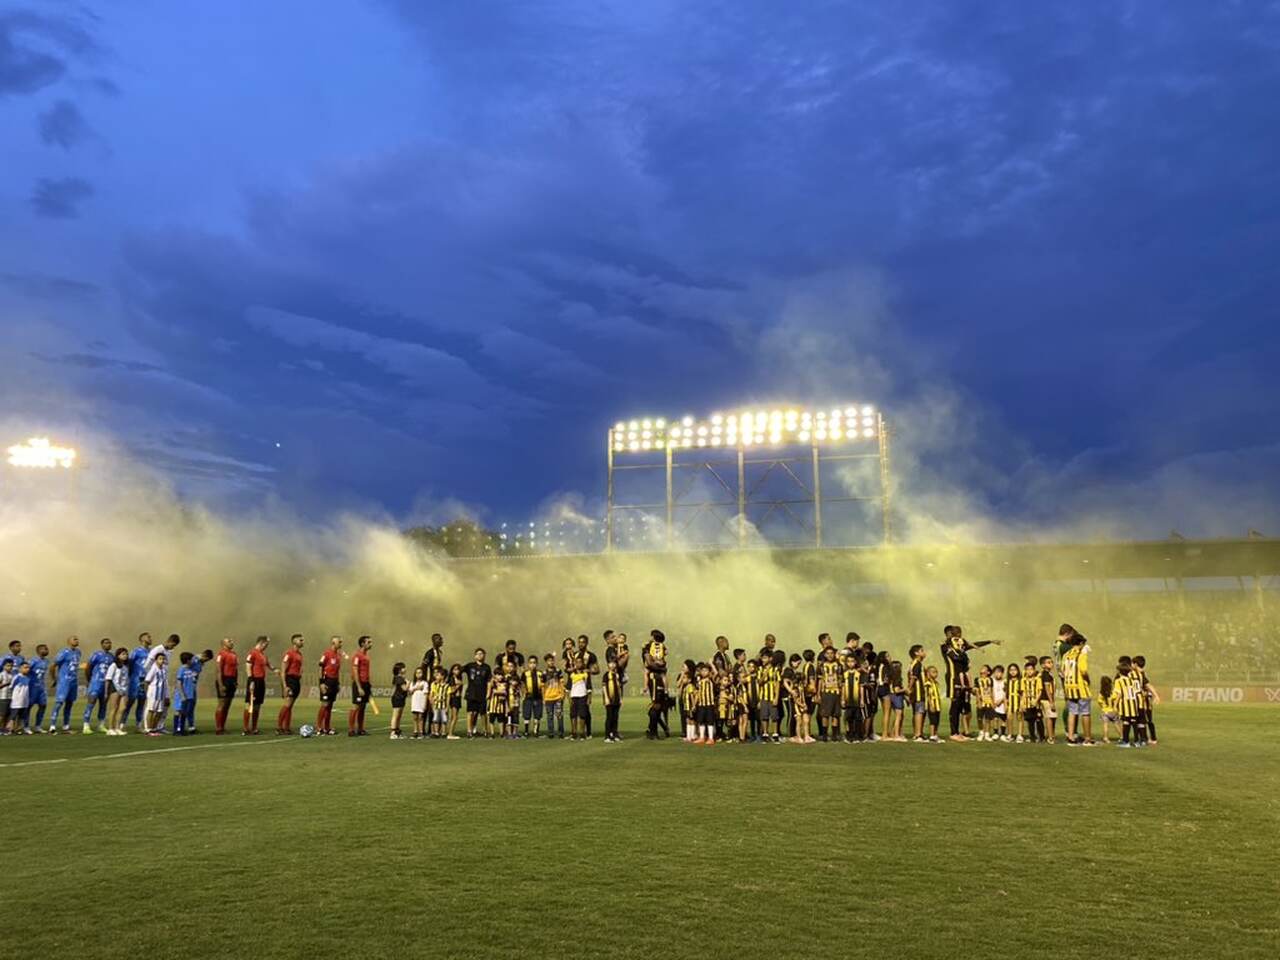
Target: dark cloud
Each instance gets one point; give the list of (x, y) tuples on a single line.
[(63, 125), (60, 198), (39, 286), (27, 63), (92, 361)]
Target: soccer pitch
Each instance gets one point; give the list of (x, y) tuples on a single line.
[(267, 847)]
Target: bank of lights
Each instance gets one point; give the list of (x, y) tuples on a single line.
[(40, 453), (749, 428)]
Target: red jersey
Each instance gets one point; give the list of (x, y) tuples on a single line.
[(257, 662), (360, 666), (330, 664), (228, 664), (292, 663)]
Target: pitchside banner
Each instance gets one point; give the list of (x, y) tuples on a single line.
[(1225, 694)]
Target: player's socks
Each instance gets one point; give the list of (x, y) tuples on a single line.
[(351, 721), (245, 722)]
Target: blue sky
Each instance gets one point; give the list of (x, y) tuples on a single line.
[(388, 254)]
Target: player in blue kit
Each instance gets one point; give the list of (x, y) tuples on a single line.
[(66, 675), (137, 672), (40, 685), (196, 665), (95, 672), (184, 694), (14, 655)]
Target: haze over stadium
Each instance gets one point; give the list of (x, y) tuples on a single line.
[(523, 320)]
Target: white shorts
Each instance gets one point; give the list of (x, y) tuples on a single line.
[(155, 705)]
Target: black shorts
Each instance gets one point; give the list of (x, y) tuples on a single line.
[(293, 685), (474, 705), (228, 688), (328, 689), (255, 691), (398, 701), (829, 705), (455, 703), (360, 693), (704, 716), (882, 691), (579, 708)]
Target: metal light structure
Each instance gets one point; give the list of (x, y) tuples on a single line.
[(38, 453), (768, 436)]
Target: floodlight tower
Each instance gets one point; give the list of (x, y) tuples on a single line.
[(38, 453), (769, 439)]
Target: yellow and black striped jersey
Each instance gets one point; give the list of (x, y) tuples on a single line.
[(829, 677), (851, 687), (932, 696), (985, 698), (611, 688), (1075, 672), (706, 692)]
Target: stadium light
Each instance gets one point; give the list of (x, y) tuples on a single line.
[(39, 453), (759, 427)]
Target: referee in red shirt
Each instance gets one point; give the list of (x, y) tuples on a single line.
[(291, 675), (330, 681), (225, 677), (361, 688), (255, 690)]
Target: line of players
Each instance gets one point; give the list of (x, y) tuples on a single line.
[(738, 699), (729, 697)]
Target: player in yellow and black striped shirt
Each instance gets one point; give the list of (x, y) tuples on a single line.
[(704, 705), (1127, 691), (851, 697), (829, 680), (932, 702), (611, 692), (770, 694)]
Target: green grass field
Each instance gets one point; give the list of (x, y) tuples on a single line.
[(271, 848)]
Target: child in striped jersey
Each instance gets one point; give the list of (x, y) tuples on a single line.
[(1013, 702)]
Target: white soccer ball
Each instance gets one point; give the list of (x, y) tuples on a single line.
[(307, 730)]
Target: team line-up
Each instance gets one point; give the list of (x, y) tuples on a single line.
[(731, 697)]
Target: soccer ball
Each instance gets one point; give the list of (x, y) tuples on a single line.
[(307, 730)]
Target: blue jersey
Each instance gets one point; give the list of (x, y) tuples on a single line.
[(98, 664), (137, 667), (66, 666), (39, 674), (188, 677)]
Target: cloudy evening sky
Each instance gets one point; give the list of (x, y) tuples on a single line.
[(369, 252)]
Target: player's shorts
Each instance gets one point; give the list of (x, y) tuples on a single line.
[(39, 695), (255, 691), (135, 690), (829, 705), (96, 691), (229, 687), (532, 708), (768, 712), (328, 689), (1049, 709), (475, 705), (155, 704), (360, 693), (705, 716), (66, 692), (1079, 708), (870, 705), (579, 708), (293, 685), (439, 715)]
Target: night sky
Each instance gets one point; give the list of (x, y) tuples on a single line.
[(394, 255)]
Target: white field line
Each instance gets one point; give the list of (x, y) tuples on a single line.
[(248, 742)]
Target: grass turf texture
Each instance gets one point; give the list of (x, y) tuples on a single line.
[(272, 848)]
